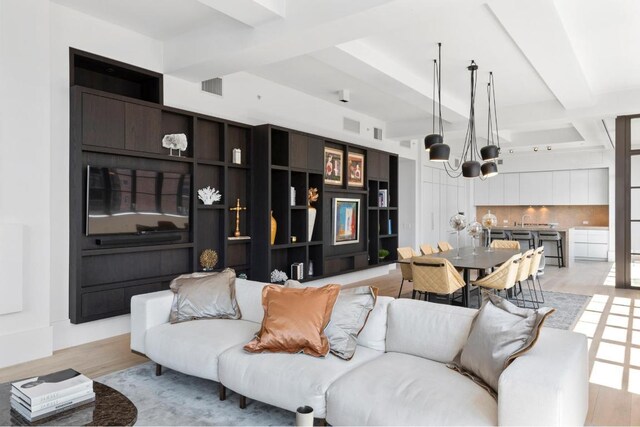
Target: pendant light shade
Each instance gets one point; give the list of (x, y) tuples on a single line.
[(489, 152), (439, 153), (430, 140), (471, 169), (489, 169)]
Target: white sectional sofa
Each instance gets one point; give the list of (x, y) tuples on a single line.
[(397, 376)]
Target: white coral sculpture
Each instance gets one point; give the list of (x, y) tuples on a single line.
[(209, 195), (175, 141), (278, 276)]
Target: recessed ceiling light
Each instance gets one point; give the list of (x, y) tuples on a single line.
[(548, 147), (511, 151), (535, 148)]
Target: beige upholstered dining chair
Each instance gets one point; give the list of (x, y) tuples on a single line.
[(405, 269), (444, 246), (505, 244), (524, 271), (534, 275), (435, 276), (503, 278), (427, 249)]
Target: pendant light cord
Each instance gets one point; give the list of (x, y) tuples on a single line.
[(441, 127), (495, 109), (433, 98)]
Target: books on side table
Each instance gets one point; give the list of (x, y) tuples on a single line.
[(41, 397)]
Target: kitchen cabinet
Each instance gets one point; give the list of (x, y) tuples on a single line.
[(512, 189), (561, 184), (591, 244), (579, 187), (481, 192), (496, 190), (598, 187), (535, 188)]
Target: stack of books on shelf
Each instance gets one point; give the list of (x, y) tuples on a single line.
[(42, 397)]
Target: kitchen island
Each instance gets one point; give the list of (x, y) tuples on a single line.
[(549, 247)]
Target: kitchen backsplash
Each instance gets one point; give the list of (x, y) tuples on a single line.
[(566, 216)]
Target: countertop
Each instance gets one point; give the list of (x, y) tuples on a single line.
[(589, 227), (530, 228)]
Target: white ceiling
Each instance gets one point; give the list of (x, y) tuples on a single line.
[(560, 66)]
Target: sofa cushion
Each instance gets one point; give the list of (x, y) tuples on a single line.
[(204, 296), (294, 320), (348, 318), (286, 380), (249, 297), (374, 333), (400, 389), (424, 329), (193, 347)]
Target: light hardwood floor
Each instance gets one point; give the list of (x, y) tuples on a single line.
[(611, 322)]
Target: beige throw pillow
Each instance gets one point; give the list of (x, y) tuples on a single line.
[(204, 296), (499, 334)]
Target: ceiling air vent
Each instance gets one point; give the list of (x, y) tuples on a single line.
[(500, 161), (377, 133), (351, 125), (213, 86)]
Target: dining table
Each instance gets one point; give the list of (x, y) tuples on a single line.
[(467, 259)]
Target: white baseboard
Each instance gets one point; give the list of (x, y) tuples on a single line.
[(25, 346), (66, 334)]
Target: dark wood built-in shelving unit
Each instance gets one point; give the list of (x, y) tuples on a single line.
[(290, 158), (118, 120)]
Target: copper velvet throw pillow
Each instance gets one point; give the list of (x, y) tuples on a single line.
[(204, 296), (294, 320)]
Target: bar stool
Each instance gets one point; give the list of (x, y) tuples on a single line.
[(524, 235), (496, 235), (553, 236)]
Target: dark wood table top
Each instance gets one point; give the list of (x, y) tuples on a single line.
[(111, 408), (481, 261)]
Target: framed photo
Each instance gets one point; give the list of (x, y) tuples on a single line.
[(356, 170), (333, 159), (346, 221)]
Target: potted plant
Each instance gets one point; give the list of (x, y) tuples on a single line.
[(382, 254)]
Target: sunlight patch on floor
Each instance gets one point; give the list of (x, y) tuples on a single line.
[(607, 375)]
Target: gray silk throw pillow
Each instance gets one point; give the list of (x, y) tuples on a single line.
[(349, 315), (204, 296), (500, 333)]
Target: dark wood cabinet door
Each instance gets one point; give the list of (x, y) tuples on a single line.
[(315, 155), (298, 151), (384, 166), (142, 129), (373, 164), (102, 121)]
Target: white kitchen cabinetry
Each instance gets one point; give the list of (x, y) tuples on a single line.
[(535, 188), (561, 193), (598, 187), (481, 192), (591, 244), (496, 190), (511, 189), (580, 187)]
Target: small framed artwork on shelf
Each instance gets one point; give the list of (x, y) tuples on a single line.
[(346, 221), (383, 198), (356, 170), (333, 159)]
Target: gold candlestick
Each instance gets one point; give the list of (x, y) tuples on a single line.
[(238, 208)]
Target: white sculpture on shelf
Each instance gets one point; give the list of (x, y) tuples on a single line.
[(175, 141), (209, 195)]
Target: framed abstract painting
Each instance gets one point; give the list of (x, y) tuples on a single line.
[(346, 221), (333, 159), (355, 169)]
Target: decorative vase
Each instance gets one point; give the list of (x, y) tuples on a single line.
[(311, 212), (274, 227)]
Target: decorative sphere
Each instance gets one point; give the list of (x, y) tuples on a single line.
[(475, 229), (458, 222), (489, 220)]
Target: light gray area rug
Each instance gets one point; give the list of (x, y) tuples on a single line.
[(174, 399), (568, 307)]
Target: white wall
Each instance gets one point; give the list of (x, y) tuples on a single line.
[(407, 216), (25, 170), (35, 107)]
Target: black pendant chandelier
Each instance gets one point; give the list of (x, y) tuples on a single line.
[(470, 166), (435, 138)]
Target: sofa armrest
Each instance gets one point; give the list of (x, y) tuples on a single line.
[(147, 311), (549, 385)]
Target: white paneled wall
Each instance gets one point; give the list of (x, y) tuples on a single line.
[(544, 188), (442, 197), (11, 266)]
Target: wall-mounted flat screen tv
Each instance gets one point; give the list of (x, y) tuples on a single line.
[(133, 201)]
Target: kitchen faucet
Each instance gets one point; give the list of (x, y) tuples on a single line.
[(523, 217)]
